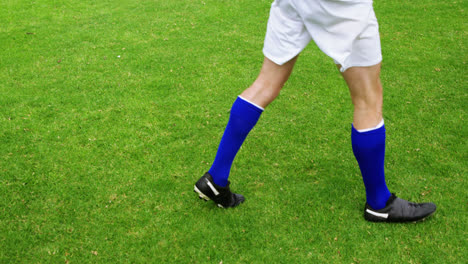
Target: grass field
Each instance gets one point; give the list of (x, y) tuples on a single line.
[(111, 110)]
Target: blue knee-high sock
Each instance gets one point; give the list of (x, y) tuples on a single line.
[(244, 115), (369, 150)]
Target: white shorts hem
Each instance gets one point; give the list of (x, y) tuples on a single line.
[(368, 64), (272, 58), (280, 61)]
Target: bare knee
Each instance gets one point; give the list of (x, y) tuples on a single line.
[(366, 94), (269, 82), (262, 91)]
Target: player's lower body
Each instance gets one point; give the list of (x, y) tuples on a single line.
[(347, 31)]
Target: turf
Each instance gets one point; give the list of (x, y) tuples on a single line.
[(111, 110)]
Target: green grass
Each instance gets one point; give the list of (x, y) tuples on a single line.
[(111, 110)]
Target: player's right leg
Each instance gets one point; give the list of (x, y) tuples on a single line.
[(347, 31), (368, 143), (245, 112)]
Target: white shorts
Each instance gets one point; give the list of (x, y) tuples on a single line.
[(345, 30)]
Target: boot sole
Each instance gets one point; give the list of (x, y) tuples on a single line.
[(380, 220), (203, 196), (200, 194)]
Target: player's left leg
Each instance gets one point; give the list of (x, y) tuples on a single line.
[(269, 82), (368, 143), (245, 112)]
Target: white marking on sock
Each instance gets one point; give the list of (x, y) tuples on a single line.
[(377, 214), (372, 128), (212, 187), (254, 104)]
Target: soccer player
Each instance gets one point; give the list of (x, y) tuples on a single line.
[(347, 31)]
